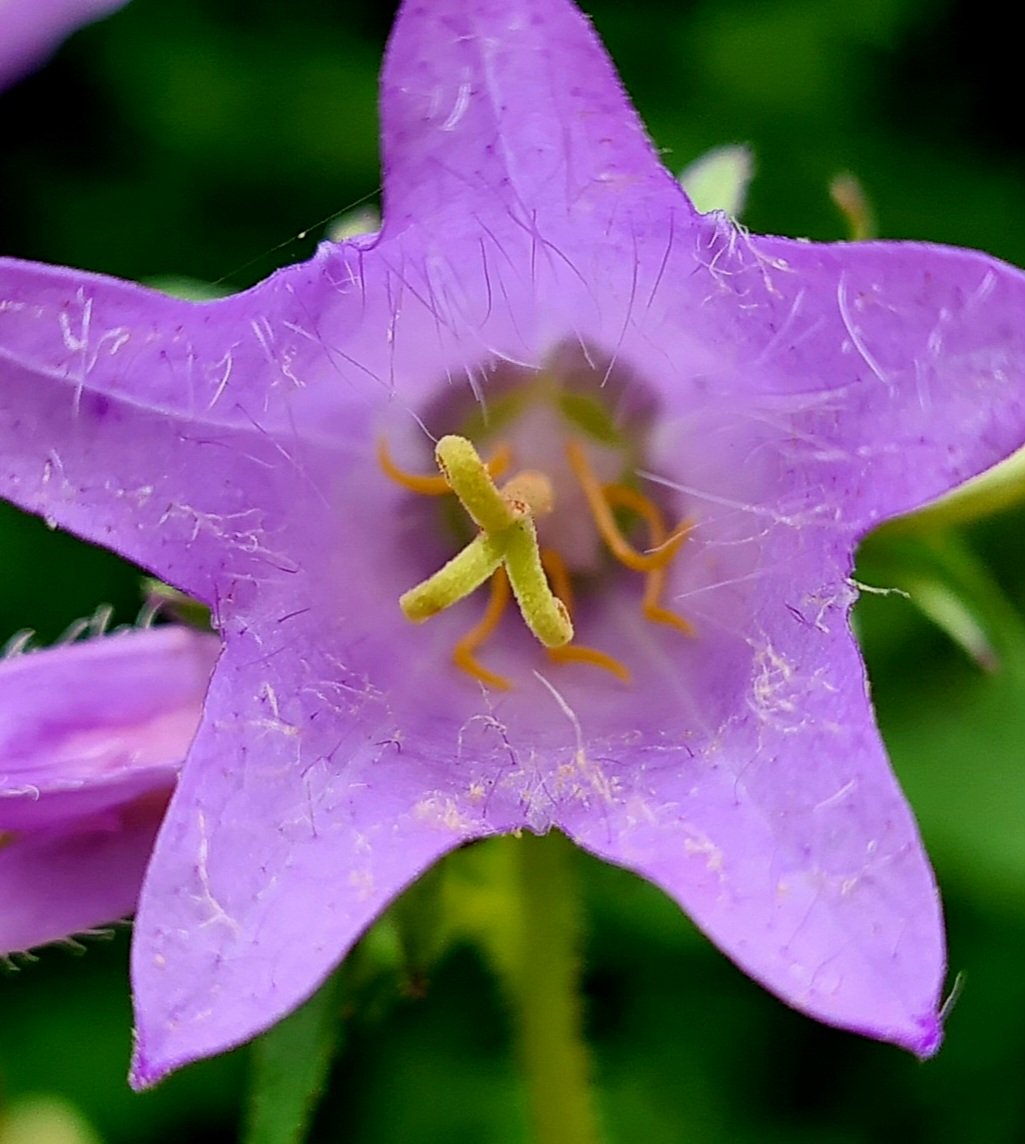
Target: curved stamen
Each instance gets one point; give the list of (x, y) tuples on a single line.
[(435, 485), (654, 585), (580, 653), (617, 543), (654, 612), (558, 573), (462, 653)]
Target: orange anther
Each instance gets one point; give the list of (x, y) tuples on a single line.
[(654, 612), (578, 653)]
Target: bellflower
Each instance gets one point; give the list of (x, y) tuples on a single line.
[(696, 426), (91, 740), (30, 29)]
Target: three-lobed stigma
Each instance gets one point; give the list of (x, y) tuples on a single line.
[(506, 551)]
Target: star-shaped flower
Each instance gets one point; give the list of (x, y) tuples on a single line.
[(30, 29), (542, 289), (91, 740)]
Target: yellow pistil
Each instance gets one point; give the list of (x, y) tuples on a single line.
[(507, 539), (463, 574), (506, 551)]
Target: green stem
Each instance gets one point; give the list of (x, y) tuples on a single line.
[(541, 971)]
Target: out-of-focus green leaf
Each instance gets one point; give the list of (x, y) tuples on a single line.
[(418, 921), (1000, 487), (948, 583), (958, 751), (718, 180), (290, 1066), (953, 614)]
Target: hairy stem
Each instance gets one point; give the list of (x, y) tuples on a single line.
[(541, 971)]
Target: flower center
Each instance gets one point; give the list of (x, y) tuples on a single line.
[(540, 529)]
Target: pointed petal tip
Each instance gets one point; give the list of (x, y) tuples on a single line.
[(505, 102), (149, 1068), (929, 1038), (143, 1074), (921, 1036)]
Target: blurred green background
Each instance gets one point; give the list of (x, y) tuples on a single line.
[(199, 138)]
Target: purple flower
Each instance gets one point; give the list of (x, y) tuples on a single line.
[(91, 741), (541, 287), (31, 29)]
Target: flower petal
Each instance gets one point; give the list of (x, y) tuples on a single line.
[(299, 816), (514, 101), (194, 407), (340, 755), (891, 371), (93, 725), (65, 880), (781, 829), (30, 29)]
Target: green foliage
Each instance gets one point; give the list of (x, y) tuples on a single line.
[(718, 180), (289, 1070)]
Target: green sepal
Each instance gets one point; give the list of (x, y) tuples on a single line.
[(161, 597)]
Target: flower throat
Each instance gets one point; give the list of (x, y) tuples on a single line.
[(506, 548)]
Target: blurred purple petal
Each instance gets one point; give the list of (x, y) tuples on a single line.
[(31, 29), (65, 880), (92, 725), (92, 737)]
